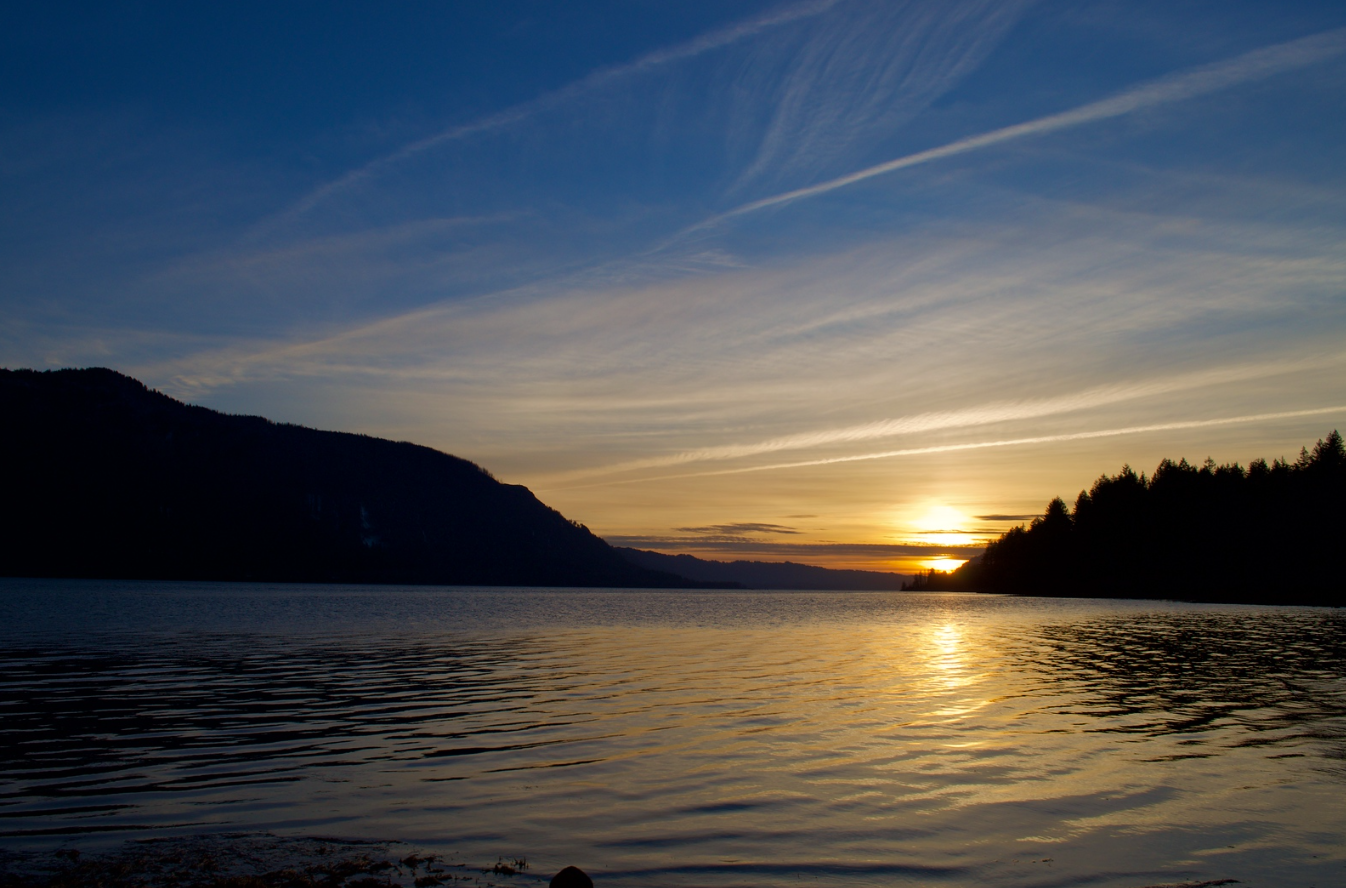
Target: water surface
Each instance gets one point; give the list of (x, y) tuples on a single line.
[(687, 738)]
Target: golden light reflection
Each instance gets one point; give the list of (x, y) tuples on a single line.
[(948, 657), (948, 641), (950, 677)]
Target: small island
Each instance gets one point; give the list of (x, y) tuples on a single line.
[(1272, 533)]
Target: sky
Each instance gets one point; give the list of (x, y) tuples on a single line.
[(851, 283)]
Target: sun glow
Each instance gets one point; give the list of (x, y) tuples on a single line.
[(944, 524), (940, 517), (945, 564)]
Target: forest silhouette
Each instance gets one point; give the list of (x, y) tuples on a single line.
[(1272, 533)]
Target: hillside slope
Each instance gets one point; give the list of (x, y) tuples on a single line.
[(765, 574), (105, 478)]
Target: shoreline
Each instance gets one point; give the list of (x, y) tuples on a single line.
[(252, 860), (265, 860)]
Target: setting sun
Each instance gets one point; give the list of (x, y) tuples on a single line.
[(940, 518), (945, 564), (944, 524)]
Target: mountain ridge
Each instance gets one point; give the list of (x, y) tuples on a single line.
[(108, 478), (767, 574)]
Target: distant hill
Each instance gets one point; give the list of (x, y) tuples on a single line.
[(1273, 533), (763, 574), (105, 478)]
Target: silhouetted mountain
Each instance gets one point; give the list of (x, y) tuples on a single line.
[(1270, 534), (763, 574), (105, 478)]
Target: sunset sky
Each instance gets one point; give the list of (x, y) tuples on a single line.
[(848, 283)]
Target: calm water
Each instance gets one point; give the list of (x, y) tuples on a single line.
[(688, 738)]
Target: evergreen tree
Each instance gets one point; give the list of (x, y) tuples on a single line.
[(1214, 533)]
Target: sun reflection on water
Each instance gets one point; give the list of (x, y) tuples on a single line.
[(949, 672), (948, 640), (710, 739)]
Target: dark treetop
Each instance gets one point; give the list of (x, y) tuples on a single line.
[(105, 478), (1271, 534)]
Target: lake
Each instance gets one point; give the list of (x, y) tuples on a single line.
[(687, 738)]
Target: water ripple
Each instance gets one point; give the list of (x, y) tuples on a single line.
[(690, 738)]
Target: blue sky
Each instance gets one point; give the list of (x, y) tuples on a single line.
[(815, 280)]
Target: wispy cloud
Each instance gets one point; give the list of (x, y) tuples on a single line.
[(980, 415), (1016, 442), (866, 70), (919, 298), (819, 551), (738, 530), (1255, 65), (1033, 313), (602, 77)]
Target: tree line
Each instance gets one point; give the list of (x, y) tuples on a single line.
[(1273, 533)]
